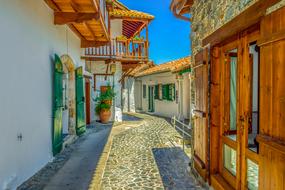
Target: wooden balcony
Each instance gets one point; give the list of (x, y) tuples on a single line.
[(119, 50)]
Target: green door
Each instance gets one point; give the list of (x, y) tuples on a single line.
[(150, 99), (57, 106), (80, 102)]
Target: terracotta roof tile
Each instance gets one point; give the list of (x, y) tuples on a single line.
[(131, 14), (172, 66)]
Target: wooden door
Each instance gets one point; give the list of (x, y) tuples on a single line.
[(200, 69), (272, 101), (80, 102), (87, 105), (57, 106), (239, 111)]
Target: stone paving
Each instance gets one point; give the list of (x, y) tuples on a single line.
[(144, 157), (73, 168)]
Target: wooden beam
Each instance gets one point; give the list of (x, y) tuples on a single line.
[(95, 5), (247, 18), (69, 17), (52, 5), (74, 6), (139, 30), (90, 30), (76, 31)]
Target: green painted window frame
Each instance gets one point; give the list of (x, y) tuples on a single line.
[(168, 92), (144, 91)]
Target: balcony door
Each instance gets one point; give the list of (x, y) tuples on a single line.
[(239, 62)]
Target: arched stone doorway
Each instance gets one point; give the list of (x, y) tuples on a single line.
[(69, 116)]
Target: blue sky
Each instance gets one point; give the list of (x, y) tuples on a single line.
[(168, 36)]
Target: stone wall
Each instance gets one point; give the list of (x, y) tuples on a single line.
[(209, 15)]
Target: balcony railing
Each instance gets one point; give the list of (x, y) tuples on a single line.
[(120, 49)]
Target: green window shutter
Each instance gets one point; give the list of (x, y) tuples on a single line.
[(144, 91), (156, 92), (174, 92), (170, 92), (167, 91)]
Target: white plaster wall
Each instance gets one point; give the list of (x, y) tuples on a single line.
[(161, 107), (29, 40), (186, 96), (116, 27), (138, 95), (128, 99)]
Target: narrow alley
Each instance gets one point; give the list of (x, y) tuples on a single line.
[(143, 152)]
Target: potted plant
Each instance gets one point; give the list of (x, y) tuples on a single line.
[(104, 104), (104, 112)]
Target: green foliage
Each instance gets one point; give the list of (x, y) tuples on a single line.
[(101, 101), (122, 38), (102, 106), (137, 38)]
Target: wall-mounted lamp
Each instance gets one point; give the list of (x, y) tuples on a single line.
[(113, 68)]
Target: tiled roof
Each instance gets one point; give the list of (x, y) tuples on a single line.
[(141, 68), (131, 14), (172, 66)]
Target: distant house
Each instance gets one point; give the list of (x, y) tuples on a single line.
[(164, 89)]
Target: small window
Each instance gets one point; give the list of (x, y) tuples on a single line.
[(144, 91), (252, 175), (168, 92), (230, 159)]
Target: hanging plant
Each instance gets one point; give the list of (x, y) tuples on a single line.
[(122, 38), (138, 38)]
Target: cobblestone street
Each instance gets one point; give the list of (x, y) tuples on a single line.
[(144, 157), (139, 153)]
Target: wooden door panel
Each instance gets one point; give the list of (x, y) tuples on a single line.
[(80, 102), (272, 101), (57, 139), (201, 112)]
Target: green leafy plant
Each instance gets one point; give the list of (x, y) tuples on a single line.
[(138, 38), (122, 38), (102, 101), (102, 107)]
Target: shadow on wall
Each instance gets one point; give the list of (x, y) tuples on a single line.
[(172, 164)]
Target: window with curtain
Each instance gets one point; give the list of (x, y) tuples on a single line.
[(233, 92)]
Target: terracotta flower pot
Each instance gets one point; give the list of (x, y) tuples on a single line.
[(105, 116), (104, 88)]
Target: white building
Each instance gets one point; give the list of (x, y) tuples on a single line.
[(42, 74), (161, 90)]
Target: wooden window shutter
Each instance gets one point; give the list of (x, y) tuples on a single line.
[(200, 69)]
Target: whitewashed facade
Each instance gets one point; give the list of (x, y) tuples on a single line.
[(139, 100), (29, 40)]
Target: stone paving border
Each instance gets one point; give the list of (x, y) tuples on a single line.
[(99, 171)]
